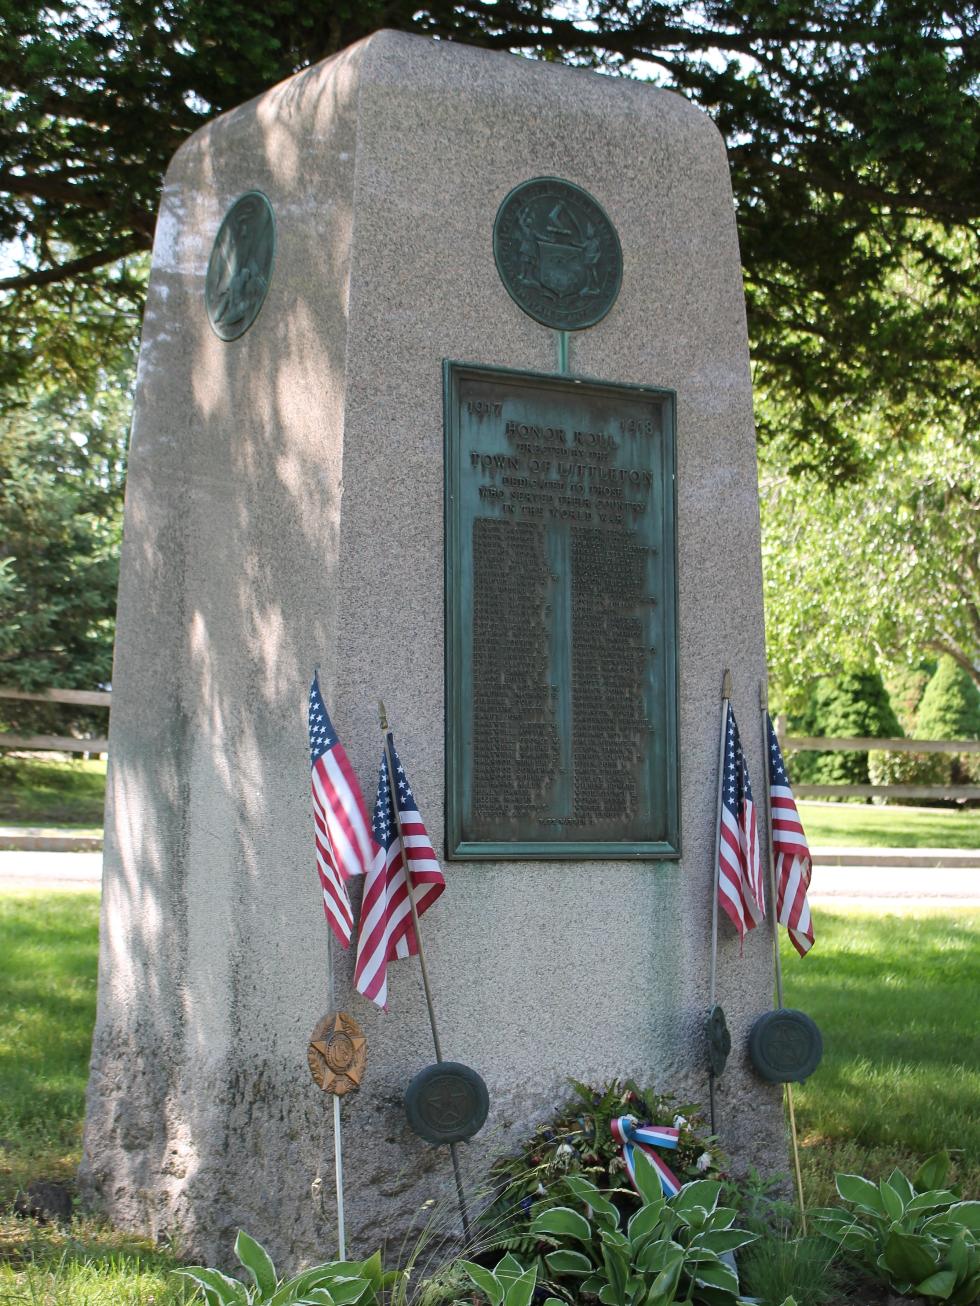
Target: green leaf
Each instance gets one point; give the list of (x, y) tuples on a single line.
[(487, 1282), (647, 1177), (568, 1262), (931, 1200), (901, 1186), (218, 1288), (564, 1223), (724, 1240), (703, 1193), (520, 1291), (966, 1214), (664, 1286), (588, 1194), (615, 1264), (716, 1275), (932, 1173), (722, 1217), (860, 1192), (891, 1201), (909, 1257), (508, 1268), (645, 1221), (939, 1285), (258, 1262), (345, 1292)]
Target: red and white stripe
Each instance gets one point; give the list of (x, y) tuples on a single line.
[(386, 931), (344, 843), (794, 867), (739, 869)]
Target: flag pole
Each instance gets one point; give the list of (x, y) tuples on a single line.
[(726, 694), (338, 1155), (777, 963), (410, 883)]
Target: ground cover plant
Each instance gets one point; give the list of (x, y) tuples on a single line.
[(52, 792)]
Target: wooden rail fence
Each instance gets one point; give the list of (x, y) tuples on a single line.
[(57, 743), (820, 744)]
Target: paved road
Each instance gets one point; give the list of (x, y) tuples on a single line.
[(899, 887), (33, 870)]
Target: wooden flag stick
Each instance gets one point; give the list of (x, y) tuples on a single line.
[(338, 1155), (392, 785), (726, 694), (410, 883), (777, 963)]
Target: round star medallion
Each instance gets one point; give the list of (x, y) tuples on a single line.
[(557, 253), (447, 1102), (337, 1053), (240, 265), (785, 1046)]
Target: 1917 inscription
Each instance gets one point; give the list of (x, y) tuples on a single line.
[(561, 664)]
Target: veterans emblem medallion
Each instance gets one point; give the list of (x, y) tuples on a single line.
[(240, 265), (337, 1053), (557, 253)]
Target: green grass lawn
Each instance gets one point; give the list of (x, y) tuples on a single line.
[(856, 825), (895, 997), (60, 793), (896, 1000)]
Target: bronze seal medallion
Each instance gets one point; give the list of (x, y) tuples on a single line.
[(557, 253), (337, 1053), (240, 265)]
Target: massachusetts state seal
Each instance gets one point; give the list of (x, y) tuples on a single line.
[(240, 265), (557, 253)]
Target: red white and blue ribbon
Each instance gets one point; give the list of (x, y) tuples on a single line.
[(647, 1137)]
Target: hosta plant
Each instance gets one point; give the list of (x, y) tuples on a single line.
[(915, 1236), (337, 1283), (670, 1251)]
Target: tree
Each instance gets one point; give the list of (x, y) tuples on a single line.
[(854, 705), (886, 568), (852, 125), (62, 470)]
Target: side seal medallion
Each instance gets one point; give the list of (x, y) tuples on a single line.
[(240, 265), (557, 253)]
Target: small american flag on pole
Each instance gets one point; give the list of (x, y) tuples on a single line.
[(791, 851), (340, 825), (740, 892), (386, 930)]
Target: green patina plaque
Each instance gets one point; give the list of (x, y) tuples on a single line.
[(557, 253), (240, 265), (561, 660)]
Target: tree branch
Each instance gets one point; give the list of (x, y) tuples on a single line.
[(47, 276)]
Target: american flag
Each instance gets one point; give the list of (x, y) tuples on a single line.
[(790, 850), (340, 825), (386, 930), (740, 891)]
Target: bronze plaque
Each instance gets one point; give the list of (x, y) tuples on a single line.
[(561, 622)]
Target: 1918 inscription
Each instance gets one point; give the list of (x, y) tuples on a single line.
[(561, 723)]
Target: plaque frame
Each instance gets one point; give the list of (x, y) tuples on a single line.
[(457, 847)]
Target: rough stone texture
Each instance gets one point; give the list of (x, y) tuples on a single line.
[(285, 506)]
